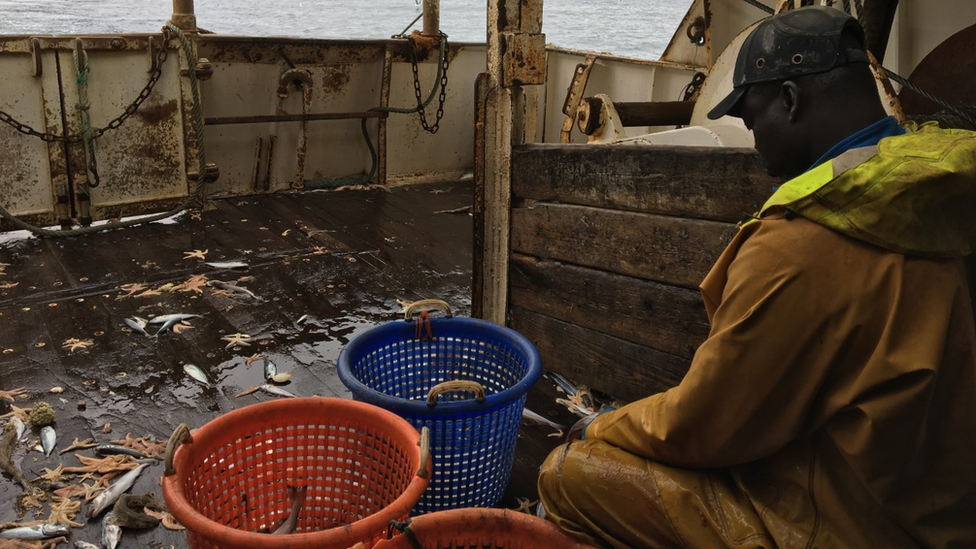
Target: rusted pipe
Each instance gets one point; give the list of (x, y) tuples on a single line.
[(432, 17), (183, 16)]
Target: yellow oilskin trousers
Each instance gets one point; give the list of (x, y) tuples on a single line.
[(833, 404)]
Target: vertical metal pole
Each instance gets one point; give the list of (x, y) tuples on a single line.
[(381, 124), (432, 17), (183, 16)]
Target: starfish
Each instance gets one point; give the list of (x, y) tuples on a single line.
[(196, 216), (9, 285), (79, 445), (168, 521), (63, 510), (181, 326), (70, 491), (194, 284), (131, 289), (129, 441), (73, 344), (196, 254), (237, 339), (91, 491), (107, 464), (53, 475), (149, 293), (22, 413), (437, 191), (247, 392), (246, 279), (168, 287), (223, 293), (9, 395), (32, 500), (251, 359), (557, 434), (525, 505)]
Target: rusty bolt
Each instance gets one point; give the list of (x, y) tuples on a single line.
[(117, 43)]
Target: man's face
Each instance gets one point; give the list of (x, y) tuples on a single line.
[(765, 111)]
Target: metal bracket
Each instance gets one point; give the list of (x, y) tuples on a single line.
[(574, 95), (204, 69), (36, 67), (152, 53)]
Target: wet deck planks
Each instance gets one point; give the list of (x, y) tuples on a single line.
[(343, 258)]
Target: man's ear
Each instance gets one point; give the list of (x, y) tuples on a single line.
[(790, 98)]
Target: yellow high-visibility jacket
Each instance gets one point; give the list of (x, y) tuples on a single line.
[(838, 383)]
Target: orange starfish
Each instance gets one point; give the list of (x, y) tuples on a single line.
[(63, 510), (131, 289), (195, 284), (9, 395), (74, 344), (180, 327), (196, 254)]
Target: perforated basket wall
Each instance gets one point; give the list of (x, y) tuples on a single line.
[(358, 462), (473, 444)]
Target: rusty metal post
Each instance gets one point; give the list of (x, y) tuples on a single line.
[(183, 16), (432, 17), (381, 125)]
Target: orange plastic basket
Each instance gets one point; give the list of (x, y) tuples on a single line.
[(480, 529), (362, 466)]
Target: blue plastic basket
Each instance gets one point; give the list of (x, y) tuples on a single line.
[(472, 442)]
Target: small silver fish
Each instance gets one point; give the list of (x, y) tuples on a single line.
[(227, 265), (18, 426), (49, 439), (85, 545), (228, 287), (165, 318), (111, 532), (276, 391), (115, 449), (196, 373), (563, 383), (40, 531), (167, 325), (108, 497), (136, 325), (533, 417), (270, 370), (302, 319)]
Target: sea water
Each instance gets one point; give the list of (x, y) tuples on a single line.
[(636, 28)]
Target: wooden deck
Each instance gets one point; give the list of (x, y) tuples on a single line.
[(341, 257)]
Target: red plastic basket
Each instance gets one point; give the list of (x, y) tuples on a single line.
[(362, 466), (480, 529)]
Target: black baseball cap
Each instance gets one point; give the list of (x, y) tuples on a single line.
[(801, 41)]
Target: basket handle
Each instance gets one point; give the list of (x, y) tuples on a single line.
[(424, 442), (456, 385), (180, 435), (427, 304)]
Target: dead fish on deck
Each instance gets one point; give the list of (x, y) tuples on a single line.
[(276, 391), (49, 439), (227, 265), (167, 325), (108, 497), (297, 496), (196, 373), (85, 545), (564, 384), (19, 427), (533, 417), (111, 532), (137, 324), (115, 449), (162, 319), (270, 370), (39, 531), (233, 288)]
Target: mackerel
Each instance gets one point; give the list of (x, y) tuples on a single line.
[(227, 286), (227, 264), (196, 373), (297, 500), (115, 449), (165, 318), (167, 325), (276, 391), (137, 326), (108, 497), (39, 531)]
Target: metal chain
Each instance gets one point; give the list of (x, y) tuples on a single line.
[(115, 123), (443, 83)]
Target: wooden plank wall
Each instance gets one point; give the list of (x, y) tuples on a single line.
[(609, 244)]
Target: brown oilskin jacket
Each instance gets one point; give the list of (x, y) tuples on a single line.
[(838, 383)]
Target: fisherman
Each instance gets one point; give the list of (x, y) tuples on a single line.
[(833, 404)]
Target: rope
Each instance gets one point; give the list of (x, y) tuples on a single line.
[(403, 528), (84, 110), (962, 112), (190, 199), (363, 179), (760, 5)]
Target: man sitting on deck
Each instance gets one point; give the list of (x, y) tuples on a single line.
[(833, 404)]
